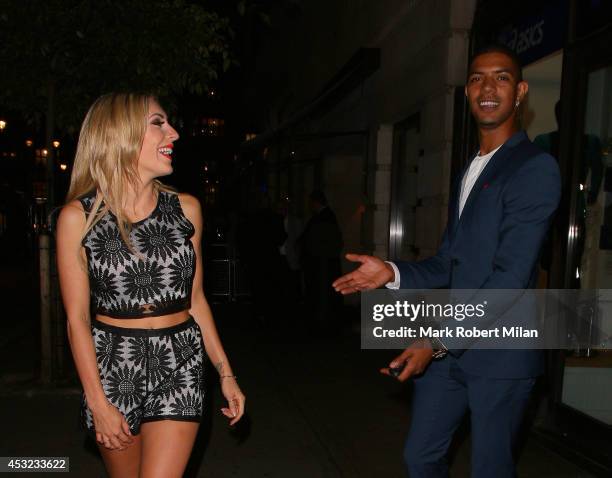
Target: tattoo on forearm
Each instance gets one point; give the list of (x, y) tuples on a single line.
[(219, 367)]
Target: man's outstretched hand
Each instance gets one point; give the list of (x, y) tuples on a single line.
[(371, 274)]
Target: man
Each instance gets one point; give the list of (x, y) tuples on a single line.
[(320, 244), (261, 236), (291, 275), (499, 212)]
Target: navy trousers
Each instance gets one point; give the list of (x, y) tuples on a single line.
[(442, 397)]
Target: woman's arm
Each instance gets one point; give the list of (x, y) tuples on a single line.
[(111, 427), (202, 314)]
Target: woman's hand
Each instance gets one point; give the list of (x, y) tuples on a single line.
[(235, 399), (112, 430)]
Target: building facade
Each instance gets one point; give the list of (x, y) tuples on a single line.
[(363, 108), (369, 106)]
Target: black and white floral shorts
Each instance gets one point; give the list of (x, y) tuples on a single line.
[(150, 374)]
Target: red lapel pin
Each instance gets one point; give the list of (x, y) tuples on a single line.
[(485, 186)]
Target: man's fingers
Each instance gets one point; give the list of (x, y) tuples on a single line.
[(402, 377), (340, 286), (341, 281), (405, 375), (349, 289), (348, 284), (352, 282), (409, 371), (400, 359), (356, 257)]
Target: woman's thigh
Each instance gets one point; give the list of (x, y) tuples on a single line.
[(166, 446), (123, 463)]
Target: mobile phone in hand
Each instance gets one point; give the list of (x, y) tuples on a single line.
[(397, 370)]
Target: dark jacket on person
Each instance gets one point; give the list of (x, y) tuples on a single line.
[(322, 237)]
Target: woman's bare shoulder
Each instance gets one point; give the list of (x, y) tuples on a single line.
[(71, 216), (190, 205)]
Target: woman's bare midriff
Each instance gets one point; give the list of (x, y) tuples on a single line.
[(159, 322)]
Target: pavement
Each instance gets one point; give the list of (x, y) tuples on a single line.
[(317, 407)]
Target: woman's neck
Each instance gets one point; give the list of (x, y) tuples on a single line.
[(140, 202)]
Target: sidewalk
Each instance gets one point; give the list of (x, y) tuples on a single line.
[(315, 409)]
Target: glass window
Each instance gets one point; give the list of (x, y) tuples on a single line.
[(587, 380)]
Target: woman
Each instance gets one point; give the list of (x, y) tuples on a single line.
[(133, 246)]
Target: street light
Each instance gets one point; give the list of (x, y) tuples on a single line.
[(2, 126), (56, 144), (29, 143), (63, 167)]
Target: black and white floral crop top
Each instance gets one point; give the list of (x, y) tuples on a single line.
[(156, 279)]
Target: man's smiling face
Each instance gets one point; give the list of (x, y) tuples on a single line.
[(493, 89)]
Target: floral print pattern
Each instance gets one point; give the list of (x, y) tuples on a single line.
[(157, 241), (143, 280), (145, 374), (108, 248), (151, 276)]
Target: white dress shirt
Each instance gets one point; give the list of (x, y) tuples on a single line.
[(476, 167)]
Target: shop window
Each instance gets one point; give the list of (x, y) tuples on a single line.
[(587, 380), (539, 117)]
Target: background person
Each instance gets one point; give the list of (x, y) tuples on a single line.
[(260, 238), (320, 245)]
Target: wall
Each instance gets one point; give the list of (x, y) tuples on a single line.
[(424, 48)]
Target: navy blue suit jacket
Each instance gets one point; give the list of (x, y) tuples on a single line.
[(496, 243)]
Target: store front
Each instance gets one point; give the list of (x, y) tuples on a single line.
[(564, 47)]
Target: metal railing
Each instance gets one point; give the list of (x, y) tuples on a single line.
[(227, 278)]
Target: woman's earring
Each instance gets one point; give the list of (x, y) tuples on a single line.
[(516, 105)]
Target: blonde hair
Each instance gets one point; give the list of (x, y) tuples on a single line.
[(107, 155)]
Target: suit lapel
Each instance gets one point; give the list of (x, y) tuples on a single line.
[(487, 174), (455, 197)]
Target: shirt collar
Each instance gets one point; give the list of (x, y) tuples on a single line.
[(488, 155)]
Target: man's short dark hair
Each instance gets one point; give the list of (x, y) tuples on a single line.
[(504, 50), (319, 196)]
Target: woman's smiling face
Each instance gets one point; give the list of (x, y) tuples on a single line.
[(155, 158)]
